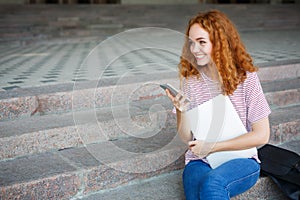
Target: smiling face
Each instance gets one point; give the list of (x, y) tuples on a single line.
[(200, 44)]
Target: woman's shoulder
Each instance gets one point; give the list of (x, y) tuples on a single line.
[(251, 75), (190, 79), (252, 83), (252, 78)]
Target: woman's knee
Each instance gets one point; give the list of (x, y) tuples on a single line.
[(192, 176), (213, 180), (228, 182), (213, 187), (195, 170)]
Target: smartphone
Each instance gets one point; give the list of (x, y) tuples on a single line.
[(171, 89)]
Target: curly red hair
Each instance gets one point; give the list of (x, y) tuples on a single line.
[(228, 52)]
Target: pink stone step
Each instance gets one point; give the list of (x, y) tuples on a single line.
[(79, 174), (52, 132), (279, 82), (63, 174)]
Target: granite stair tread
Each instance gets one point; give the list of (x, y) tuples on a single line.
[(132, 16), (268, 86), (41, 133), (84, 170), (80, 172), (281, 85), (45, 122), (169, 186), (47, 164), (57, 99), (285, 114)]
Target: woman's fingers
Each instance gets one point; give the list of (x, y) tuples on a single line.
[(169, 95), (180, 98), (200, 148), (192, 143), (182, 103), (179, 101)]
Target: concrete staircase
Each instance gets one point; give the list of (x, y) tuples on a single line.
[(117, 140), (60, 153), (25, 24)]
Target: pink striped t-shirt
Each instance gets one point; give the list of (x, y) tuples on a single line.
[(248, 99)]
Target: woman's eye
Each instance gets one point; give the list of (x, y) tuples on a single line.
[(191, 43)]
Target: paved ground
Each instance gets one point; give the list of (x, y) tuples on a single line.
[(133, 52)]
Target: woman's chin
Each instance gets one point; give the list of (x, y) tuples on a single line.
[(202, 64)]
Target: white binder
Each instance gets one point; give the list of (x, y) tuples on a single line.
[(217, 120)]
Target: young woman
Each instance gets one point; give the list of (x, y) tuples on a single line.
[(214, 61)]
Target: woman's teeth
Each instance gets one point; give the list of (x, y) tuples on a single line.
[(200, 56)]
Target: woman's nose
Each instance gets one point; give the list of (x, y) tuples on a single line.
[(195, 48)]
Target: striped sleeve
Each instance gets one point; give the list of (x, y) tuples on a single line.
[(257, 106)]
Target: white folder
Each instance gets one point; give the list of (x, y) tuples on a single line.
[(217, 120)]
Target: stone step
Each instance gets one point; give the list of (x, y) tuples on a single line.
[(52, 132), (257, 13), (23, 103), (282, 93), (278, 83), (169, 186), (13, 36), (100, 172), (283, 128), (278, 70), (42, 133), (80, 171), (259, 17)]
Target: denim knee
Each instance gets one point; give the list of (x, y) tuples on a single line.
[(226, 182), (214, 187), (192, 177)]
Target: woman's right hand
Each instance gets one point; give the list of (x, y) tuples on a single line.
[(181, 104), (179, 101)]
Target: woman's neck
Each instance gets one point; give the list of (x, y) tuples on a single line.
[(209, 71)]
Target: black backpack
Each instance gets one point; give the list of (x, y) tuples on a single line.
[(283, 166)]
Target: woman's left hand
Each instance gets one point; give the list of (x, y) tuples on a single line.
[(200, 148)]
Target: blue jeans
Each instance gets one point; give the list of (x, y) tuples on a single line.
[(234, 177)]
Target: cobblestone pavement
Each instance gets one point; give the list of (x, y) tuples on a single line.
[(130, 53)]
